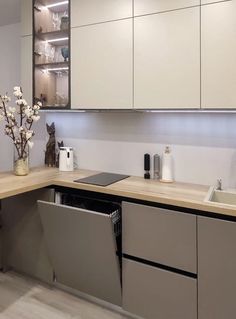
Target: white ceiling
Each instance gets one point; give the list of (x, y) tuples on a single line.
[(9, 12)]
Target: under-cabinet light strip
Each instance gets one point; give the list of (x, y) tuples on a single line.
[(53, 5), (57, 40), (57, 69)]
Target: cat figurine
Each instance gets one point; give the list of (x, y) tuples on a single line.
[(50, 154), (60, 144)]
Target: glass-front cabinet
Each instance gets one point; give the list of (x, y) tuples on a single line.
[(51, 54)]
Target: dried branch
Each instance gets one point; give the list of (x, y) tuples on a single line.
[(22, 133)]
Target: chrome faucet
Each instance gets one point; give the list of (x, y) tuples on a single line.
[(219, 184)]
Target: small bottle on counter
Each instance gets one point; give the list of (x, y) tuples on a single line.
[(156, 166), (167, 166)]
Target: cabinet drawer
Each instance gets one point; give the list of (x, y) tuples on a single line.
[(160, 235), (154, 293)]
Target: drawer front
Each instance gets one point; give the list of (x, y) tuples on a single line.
[(160, 235), (153, 293)]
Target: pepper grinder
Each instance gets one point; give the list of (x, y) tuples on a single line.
[(147, 166)]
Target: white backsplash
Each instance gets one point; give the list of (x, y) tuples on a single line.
[(203, 145)]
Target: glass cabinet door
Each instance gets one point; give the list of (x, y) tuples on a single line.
[(52, 53)]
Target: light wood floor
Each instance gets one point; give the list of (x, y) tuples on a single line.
[(23, 298)]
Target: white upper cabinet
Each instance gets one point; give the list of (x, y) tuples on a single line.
[(102, 66), (26, 17), (84, 12), (212, 1), (219, 55), (167, 60), (153, 6), (26, 67)]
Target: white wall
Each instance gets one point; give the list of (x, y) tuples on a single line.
[(203, 145), (10, 77)]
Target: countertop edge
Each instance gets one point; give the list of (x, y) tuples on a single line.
[(180, 195)]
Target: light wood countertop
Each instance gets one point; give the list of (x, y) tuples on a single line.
[(177, 194)]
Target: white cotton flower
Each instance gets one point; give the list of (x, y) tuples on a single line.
[(10, 115), (35, 118), (29, 134), (21, 129), (36, 107), (31, 144), (39, 104), (28, 112), (6, 98), (21, 102), (17, 92), (12, 109)]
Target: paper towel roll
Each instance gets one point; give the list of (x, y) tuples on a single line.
[(167, 167)]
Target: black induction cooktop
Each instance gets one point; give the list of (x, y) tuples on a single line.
[(102, 179)]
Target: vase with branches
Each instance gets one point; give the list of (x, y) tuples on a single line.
[(19, 120)]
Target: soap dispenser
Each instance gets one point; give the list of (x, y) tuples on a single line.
[(167, 166)]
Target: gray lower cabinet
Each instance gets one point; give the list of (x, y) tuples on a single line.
[(153, 293), (0, 240), (24, 249), (82, 248), (216, 268), (159, 235)]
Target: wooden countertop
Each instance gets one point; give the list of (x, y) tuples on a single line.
[(177, 194)]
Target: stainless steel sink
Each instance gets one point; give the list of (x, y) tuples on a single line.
[(225, 197)]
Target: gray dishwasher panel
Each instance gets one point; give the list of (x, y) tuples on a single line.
[(82, 249)]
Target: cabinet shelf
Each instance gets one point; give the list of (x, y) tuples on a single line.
[(62, 35), (52, 65)]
